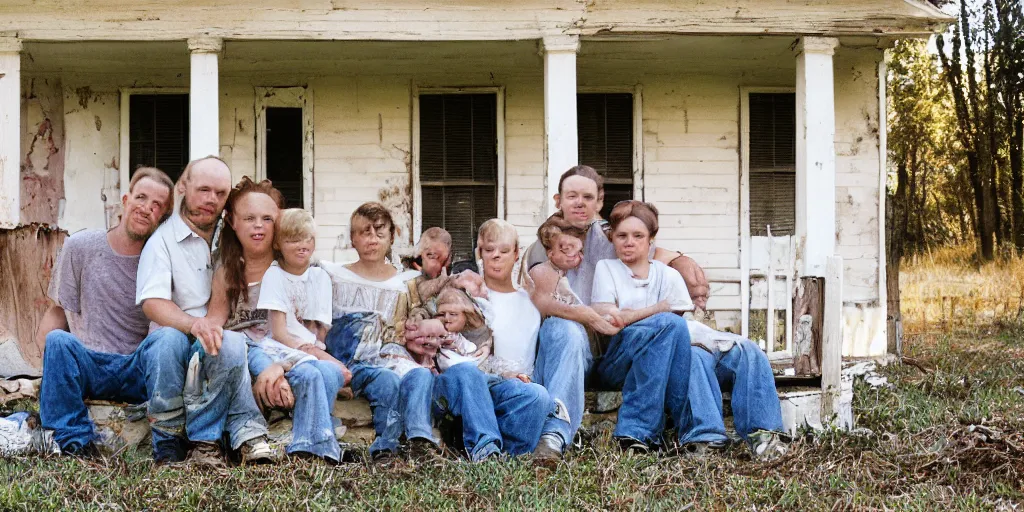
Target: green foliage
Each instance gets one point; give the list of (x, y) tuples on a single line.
[(948, 435)]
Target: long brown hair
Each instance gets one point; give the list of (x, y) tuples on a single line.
[(230, 247)]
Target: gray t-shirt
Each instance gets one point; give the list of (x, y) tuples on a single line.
[(96, 288)]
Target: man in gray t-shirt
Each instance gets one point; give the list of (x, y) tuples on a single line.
[(98, 302), (95, 336)]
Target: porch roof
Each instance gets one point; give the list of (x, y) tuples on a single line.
[(437, 20)]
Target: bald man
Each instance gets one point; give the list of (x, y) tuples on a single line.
[(173, 287)]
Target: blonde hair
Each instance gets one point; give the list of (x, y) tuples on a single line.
[(295, 224), (433, 235), (498, 230)]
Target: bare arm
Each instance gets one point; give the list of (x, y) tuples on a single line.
[(53, 319), (545, 281), (217, 311), (429, 288), (624, 317), (279, 330)]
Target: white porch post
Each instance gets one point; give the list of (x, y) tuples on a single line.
[(561, 142), (815, 153), (204, 95), (10, 132)]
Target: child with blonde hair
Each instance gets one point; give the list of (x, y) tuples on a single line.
[(296, 295)]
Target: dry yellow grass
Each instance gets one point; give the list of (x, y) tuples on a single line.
[(945, 289)]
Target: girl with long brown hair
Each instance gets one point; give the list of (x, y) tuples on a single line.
[(246, 252)]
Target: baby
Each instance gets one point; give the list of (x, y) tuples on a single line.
[(469, 338), (563, 243), (296, 295), (420, 349)]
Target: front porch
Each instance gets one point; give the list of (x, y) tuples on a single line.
[(681, 138)]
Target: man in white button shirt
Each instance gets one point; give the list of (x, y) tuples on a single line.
[(173, 287)]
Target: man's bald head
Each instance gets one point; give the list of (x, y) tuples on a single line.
[(204, 186)]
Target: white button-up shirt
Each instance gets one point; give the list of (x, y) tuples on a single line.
[(176, 265)]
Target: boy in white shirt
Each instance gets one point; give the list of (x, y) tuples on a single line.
[(296, 295)]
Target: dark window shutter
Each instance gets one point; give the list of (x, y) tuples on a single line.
[(605, 127), (459, 165), (158, 132), (772, 163)]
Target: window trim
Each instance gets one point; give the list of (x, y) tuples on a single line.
[(638, 128), (745, 239), (293, 97), (417, 192), (124, 131)]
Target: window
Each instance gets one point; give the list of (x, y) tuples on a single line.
[(284, 152), (772, 163), (458, 167), (158, 132), (605, 126)]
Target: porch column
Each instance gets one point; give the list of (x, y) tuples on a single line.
[(204, 111), (561, 143), (815, 153), (10, 132)]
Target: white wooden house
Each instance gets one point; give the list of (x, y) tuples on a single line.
[(730, 115)]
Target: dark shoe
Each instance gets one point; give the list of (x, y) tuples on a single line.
[(422, 450), (548, 452), (169, 451), (633, 446), (382, 455), (88, 452), (350, 454), (206, 454), (701, 449)]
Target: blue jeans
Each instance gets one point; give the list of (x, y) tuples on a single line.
[(218, 393), (563, 361), (643, 361), (497, 414), (73, 373), (755, 403), (315, 386), (398, 405), (414, 402)]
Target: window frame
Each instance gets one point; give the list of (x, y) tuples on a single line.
[(125, 129), (745, 237), (291, 97), (638, 129), (417, 191)]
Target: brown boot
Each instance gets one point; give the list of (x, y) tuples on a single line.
[(548, 452), (206, 454)]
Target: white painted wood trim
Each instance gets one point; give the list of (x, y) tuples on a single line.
[(561, 140), (417, 192), (883, 171), (124, 171), (745, 199), (832, 337), (815, 153), (295, 97), (204, 102), (639, 189), (10, 132)]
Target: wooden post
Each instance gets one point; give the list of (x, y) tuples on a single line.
[(204, 98), (10, 132), (769, 314), (561, 141), (832, 339)]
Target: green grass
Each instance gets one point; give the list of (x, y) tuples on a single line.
[(919, 452)]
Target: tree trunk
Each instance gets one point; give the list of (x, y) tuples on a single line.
[(1017, 180)]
